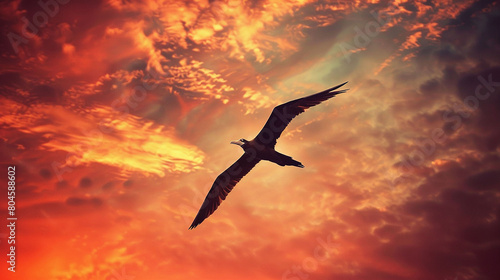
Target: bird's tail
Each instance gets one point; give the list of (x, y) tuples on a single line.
[(295, 163), (287, 160)]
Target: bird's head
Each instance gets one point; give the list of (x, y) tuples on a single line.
[(242, 143)]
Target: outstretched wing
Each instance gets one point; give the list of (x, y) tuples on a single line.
[(284, 113), (224, 183)]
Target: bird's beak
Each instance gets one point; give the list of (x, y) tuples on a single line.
[(239, 143)]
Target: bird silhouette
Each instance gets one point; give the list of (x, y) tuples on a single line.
[(260, 148)]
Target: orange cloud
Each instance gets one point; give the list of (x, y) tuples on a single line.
[(106, 136)]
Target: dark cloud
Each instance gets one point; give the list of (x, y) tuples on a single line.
[(137, 64), (28, 192), (85, 182), (487, 180), (108, 186), (45, 173), (40, 210), (449, 225), (80, 201), (474, 34), (473, 10), (452, 220), (63, 184), (429, 87), (479, 93), (388, 231), (448, 55), (46, 94), (11, 78), (128, 183)]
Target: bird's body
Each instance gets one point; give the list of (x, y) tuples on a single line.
[(263, 152), (260, 148)]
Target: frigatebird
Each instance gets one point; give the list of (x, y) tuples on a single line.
[(260, 148)]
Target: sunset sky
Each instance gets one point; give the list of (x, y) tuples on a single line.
[(118, 116)]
